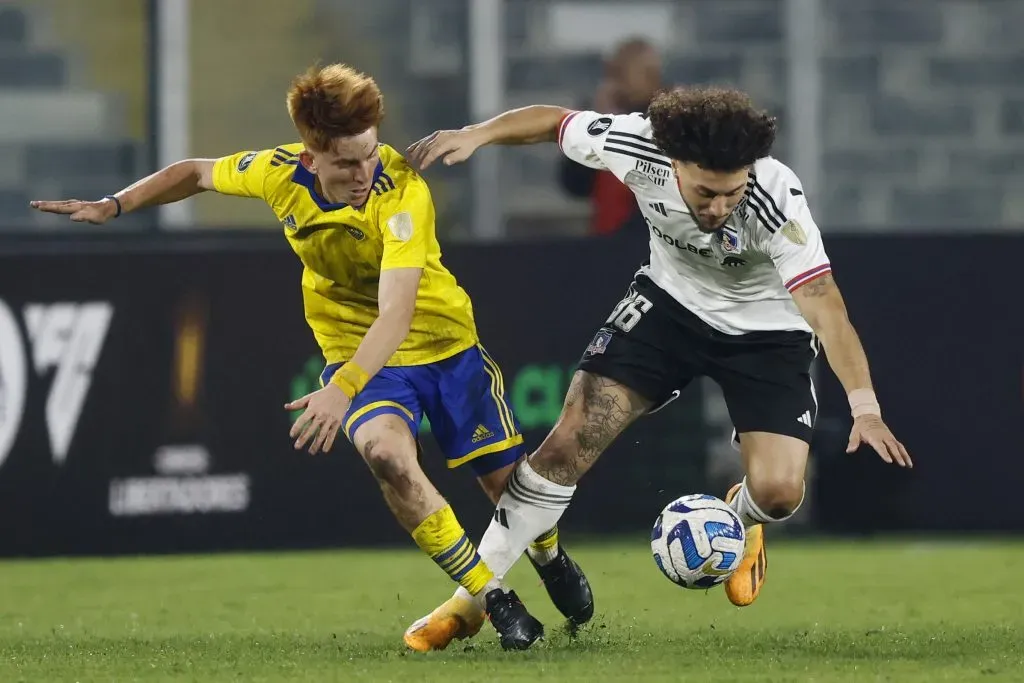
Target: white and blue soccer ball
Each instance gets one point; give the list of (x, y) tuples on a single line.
[(697, 541)]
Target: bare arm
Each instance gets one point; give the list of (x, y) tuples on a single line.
[(524, 126), (325, 409), (396, 295), (176, 182), (825, 311)]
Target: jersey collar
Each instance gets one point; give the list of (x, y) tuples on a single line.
[(308, 181)]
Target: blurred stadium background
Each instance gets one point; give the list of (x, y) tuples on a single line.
[(143, 365)]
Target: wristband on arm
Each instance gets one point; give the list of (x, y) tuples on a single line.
[(350, 378), (117, 203), (863, 402)]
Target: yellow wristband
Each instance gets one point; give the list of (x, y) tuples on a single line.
[(350, 378)]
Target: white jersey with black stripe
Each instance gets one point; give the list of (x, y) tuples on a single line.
[(739, 279)]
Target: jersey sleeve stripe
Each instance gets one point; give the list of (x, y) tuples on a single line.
[(283, 152), (807, 276), (767, 220), (766, 197), (635, 155), (632, 136), (632, 145), (637, 141), (562, 124)]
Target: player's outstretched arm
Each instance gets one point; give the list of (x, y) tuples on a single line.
[(822, 305), (524, 126), (174, 183)]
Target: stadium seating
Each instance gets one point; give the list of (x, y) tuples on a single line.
[(57, 137), (923, 111), (923, 115)]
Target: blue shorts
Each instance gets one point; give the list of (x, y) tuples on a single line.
[(462, 396)]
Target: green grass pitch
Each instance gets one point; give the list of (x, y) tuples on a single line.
[(852, 611)]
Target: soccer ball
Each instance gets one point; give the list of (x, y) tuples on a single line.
[(697, 541)]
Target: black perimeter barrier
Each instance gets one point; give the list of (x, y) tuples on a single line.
[(142, 381)]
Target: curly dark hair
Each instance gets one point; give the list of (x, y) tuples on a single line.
[(716, 128)]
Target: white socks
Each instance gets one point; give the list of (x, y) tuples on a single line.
[(530, 506)]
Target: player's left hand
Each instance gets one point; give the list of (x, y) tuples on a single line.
[(324, 411), (96, 213), (450, 146), (871, 430)]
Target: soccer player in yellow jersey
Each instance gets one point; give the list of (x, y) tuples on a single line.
[(395, 328)]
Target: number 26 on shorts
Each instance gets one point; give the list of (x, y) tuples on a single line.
[(629, 311)]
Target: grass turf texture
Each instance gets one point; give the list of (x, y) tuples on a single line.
[(892, 611)]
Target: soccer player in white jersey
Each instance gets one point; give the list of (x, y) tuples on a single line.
[(738, 288)]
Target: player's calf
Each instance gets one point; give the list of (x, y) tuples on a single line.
[(389, 450)]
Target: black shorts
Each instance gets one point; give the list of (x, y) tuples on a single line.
[(655, 346)]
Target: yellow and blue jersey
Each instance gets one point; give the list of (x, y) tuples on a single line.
[(344, 249), (440, 370)]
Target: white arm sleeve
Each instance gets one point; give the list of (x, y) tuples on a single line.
[(795, 244), (581, 136)]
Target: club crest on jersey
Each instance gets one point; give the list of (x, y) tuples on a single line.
[(355, 232), (637, 181), (245, 162), (599, 343), (794, 232), (729, 240), (599, 126)]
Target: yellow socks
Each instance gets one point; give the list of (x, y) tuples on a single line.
[(545, 548), (442, 537)]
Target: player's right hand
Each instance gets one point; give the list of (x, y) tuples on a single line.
[(96, 213), (450, 146)]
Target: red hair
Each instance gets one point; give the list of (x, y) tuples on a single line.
[(332, 102)]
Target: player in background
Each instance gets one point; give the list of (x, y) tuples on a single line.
[(738, 287), (396, 330)]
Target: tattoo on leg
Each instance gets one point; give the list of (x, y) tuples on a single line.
[(608, 408)]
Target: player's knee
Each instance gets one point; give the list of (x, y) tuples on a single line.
[(390, 463), (778, 495)]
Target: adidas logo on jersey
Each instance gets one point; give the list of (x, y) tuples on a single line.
[(806, 419), (660, 208), (481, 433), (733, 262)]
